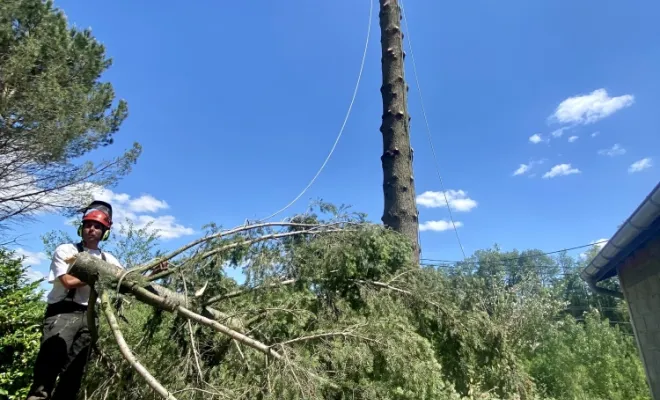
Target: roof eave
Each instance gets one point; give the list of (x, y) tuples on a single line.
[(644, 220)]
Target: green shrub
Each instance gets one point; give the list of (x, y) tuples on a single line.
[(21, 313)]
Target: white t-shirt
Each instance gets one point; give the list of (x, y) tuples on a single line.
[(59, 267)]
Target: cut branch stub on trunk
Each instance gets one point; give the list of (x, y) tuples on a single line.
[(400, 209)]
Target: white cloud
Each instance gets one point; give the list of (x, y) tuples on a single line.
[(559, 132), (147, 203), (536, 138), (27, 194), (524, 168), (166, 226), (572, 139), (457, 199), (595, 134), (439, 226), (640, 165), (589, 108), (599, 243), (137, 210), (616, 150), (33, 275), (124, 207), (521, 170), (31, 258), (561, 170)]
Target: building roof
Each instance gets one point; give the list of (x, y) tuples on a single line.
[(643, 224)]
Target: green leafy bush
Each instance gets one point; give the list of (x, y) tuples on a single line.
[(588, 361), (21, 313)]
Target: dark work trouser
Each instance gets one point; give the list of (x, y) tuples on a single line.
[(64, 351)]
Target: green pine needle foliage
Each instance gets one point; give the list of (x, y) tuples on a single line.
[(360, 315), (54, 111)]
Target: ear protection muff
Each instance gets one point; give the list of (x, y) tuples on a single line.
[(106, 234)]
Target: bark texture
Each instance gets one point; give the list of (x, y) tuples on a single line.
[(90, 269), (400, 210)]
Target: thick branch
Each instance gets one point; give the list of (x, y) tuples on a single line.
[(234, 323), (192, 337), (255, 344), (126, 351), (91, 317), (90, 269)]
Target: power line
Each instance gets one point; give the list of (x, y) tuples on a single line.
[(546, 270), (428, 130), (341, 130), (519, 257), (493, 265)]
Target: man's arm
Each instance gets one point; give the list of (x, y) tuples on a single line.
[(60, 267), (70, 281)]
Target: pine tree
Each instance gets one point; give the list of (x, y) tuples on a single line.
[(53, 112)]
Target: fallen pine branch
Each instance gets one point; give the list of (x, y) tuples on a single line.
[(233, 322), (192, 337), (127, 353), (323, 335), (90, 269), (242, 292), (234, 245), (229, 232), (217, 326), (264, 238), (412, 295)]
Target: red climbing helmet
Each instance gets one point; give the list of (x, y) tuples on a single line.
[(98, 211)]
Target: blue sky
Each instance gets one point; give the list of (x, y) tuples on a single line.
[(238, 103)]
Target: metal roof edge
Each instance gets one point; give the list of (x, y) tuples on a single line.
[(639, 222)]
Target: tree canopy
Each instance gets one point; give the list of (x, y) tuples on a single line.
[(54, 110), (349, 315)]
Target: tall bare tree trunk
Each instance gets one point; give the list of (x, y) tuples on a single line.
[(400, 211)]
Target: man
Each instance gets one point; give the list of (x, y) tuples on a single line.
[(66, 337)]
